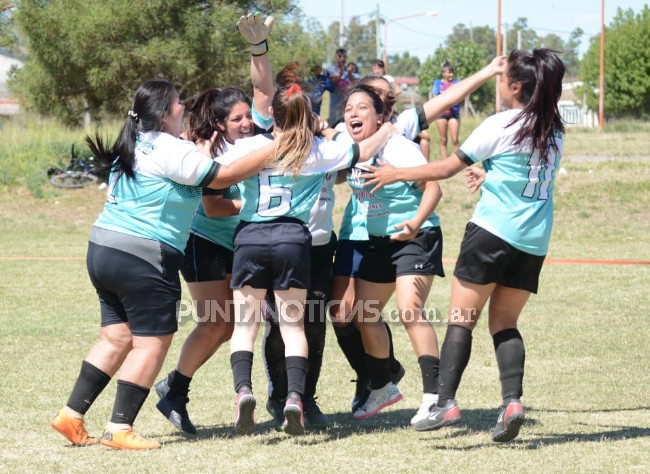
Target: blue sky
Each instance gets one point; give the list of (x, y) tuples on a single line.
[(421, 35)]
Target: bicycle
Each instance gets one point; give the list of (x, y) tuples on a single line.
[(78, 174)]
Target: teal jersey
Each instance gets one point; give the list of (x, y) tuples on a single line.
[(158, 203), (378, 213), (516, 201), (272, 194), (221, 230)]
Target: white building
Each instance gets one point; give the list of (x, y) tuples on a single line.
[(572, 113), (8, 105)]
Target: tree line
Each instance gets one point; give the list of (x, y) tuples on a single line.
[(87, 58)]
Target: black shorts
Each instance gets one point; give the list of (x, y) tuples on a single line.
[(450, 115), (387, 259), (272, 255), (318, 294), (205, 261), (349, 254), (136, 280), (485, 258)]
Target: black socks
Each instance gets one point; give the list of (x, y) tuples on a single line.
[(90, 383), (511, 355)]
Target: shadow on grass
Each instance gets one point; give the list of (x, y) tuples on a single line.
[(482, 420), (474, 421)]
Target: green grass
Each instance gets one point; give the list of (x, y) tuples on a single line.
[(586, 384)]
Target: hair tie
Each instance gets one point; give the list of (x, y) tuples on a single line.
[(293, 89), (134, 115)]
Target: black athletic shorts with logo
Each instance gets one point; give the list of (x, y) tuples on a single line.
[(387, 259), (205, 260), (485, 258), (273, 255), (136, 280)]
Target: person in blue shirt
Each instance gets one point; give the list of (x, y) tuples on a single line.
[(449, 122), (134, 253), (273, 243), (217, 118), (507, 239)]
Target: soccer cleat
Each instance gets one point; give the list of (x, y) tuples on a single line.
[(315, 419), (439, 416), (275, 407), (294, 420), (162, 387), (511, 417), (397, 375), (361, 393), (378, 400), (428, 401), (244, 411), (176, 412), (74, 429), (126, 439)]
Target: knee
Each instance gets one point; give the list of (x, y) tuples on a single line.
[(216, 331)]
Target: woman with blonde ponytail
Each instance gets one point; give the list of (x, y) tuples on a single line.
[(272, 243)]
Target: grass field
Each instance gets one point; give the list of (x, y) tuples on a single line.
[(586, 384)]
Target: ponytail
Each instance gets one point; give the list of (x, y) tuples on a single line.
[(293, 115), (540, 75), (150, 103)]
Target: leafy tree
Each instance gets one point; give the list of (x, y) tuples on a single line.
[(358, 39), (404, 65), (627, 66), (467, 58), (482, 36), (89, 56)]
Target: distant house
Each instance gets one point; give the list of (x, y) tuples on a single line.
[(8, 104), (572, 113)]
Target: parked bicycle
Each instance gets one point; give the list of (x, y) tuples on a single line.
[(78, 174)]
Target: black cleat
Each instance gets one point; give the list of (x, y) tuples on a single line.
[(176, 412), (511, 417)]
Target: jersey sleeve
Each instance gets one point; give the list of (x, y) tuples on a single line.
[(264, 123), (436, 87), (483, 142), (185, 164), (411, 122), (401, 152), (331, 156)]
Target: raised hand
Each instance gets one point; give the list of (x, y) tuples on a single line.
[(255, 31)]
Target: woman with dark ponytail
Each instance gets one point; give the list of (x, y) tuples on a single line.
[(507, 239), (134, 253)]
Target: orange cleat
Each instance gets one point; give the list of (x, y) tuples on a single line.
[(73, 429), (126, 439)]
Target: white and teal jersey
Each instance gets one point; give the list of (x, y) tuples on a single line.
[(378, 213), (221, 230), (272, 194), (516, 201), (320, 223), (158, 203)]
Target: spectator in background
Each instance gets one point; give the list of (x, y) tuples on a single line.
[(379, 69), (339, 83), (353, 73), (318, 84), (450, 120)]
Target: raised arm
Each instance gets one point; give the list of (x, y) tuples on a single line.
[(437, 105), (256, 33)]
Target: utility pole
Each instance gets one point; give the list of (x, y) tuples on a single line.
[(377, 34), (341, 38)]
